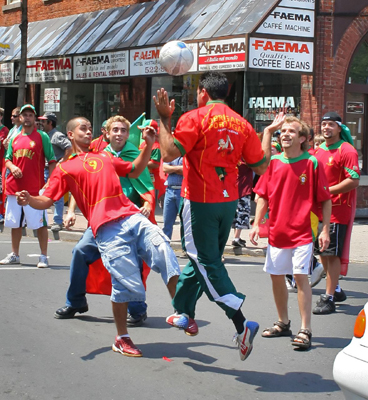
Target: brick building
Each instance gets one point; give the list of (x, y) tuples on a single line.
[(309, 54)]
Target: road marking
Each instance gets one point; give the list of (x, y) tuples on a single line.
[(17, 268), (28, 242)]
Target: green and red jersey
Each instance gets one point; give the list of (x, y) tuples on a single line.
[(212, 140), (28, 152), (293, 188), (340, 161), (3, 135), (98, 144), (93, 179)]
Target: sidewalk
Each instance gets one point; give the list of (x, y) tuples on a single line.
[(358, 251)]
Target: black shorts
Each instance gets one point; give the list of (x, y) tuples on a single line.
[(337, 239)]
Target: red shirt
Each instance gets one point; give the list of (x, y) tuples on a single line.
[(98, 144), (93, 179), (340, 161), (3, 134), (28, 152), (212, 140), (293, 188)]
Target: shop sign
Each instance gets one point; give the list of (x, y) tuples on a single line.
[(355, 107), (289, 22), (271, 102), (222, 54), (7, 73), (100, 66), (50, 70), (309, 4), (145, 61), (51, 100), (6, 49), (280, 55)]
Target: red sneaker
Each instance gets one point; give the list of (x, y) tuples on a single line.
[(192, 329), (126, 347)]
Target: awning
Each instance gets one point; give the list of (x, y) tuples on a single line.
[(138, 25)]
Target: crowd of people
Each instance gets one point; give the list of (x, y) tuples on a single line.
[(307, 193)]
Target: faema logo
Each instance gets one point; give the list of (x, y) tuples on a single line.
[(222, 48), (94, 60), (287, 47), (151, 54), (291, 16), (51, 65)]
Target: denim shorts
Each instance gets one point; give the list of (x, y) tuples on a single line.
[(122, 243)]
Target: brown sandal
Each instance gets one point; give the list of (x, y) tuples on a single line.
[(302, 342), (275, 332)]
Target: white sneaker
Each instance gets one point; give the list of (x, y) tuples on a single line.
[(11, 258), (42, 262), (317, 275)]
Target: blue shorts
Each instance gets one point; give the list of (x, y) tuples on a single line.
[(122, 243)]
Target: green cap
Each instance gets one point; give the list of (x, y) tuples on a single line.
[(104, 124), (28, 107)]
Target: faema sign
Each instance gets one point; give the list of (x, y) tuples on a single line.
[(103, 65), (281, 55), (222, 54), (145, 61), (289, 22), (308, 4), (50, 70), (7, 73)]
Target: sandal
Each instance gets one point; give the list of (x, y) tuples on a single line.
[(303, 342), (278, 329)]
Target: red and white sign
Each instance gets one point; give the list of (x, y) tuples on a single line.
[(51, 100), (7, 73), (309, 4), (280, 55), (222, 54), (145, 61), (100, 66), (50, 70)]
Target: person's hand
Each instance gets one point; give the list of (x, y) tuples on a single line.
[(161, 201), (149, 136), (254, 235), (145, 209), (323, 241), (277, 122), (164, 107), (17, 172), (23, 198), (69, 220)]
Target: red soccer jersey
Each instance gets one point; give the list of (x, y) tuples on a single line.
[(212, 140), (28, 152), (293, 188), (340, 161), (93, 179), (3, 134), (98, 144)]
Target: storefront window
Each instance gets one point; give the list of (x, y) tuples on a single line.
[(358, 72)]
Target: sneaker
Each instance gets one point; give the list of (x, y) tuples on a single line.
[(56, 227), (131, 321), (42, 262), (180, 321), (126, 347), (238, 243), (324, 305), (192, 329), (245, 340), (243, 242), (316, 275), (291, 285), (11, 258), (339, 296)]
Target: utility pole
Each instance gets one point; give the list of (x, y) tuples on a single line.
[(23, 55)]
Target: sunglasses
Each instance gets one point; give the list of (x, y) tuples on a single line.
[(15, 116)]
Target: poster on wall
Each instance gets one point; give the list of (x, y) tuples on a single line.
[(51, 100), (309, 4), (280, 55), (100, 66), (222, 54), (49, 70), (355, 107), (7, 73), (289, 22)]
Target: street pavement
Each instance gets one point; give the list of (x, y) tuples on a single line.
[(45, 358)]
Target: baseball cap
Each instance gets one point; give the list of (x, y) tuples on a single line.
[(50, 116), (332, 116), (104, 124), (28, 107), (149, 123)]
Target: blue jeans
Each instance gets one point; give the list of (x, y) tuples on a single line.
[(122, 243), (85, 253), (59, 205), (171, 209)]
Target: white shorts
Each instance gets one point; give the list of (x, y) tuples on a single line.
[(17, 216), (289, 261)]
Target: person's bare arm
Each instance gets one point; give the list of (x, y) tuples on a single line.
[(36, 202), (172, 169), (16, 171), (261, 209), (324, 236), (69, 219), (345, 186), (140, 163)]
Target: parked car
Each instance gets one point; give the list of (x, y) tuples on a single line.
[(350, 369)]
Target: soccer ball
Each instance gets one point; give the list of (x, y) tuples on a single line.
[(176, 58)]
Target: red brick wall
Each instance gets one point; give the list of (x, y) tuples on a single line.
[(38, 10)]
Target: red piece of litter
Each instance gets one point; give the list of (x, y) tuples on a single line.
[(166, 359)]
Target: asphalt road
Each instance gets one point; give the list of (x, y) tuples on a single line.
[(45, 358)]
